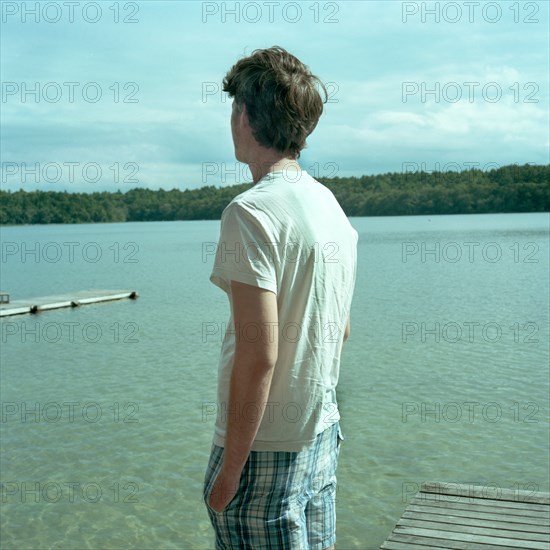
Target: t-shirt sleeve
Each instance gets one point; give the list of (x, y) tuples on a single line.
[(244, 253)]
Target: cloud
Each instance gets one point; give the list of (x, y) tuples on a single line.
[(173, 60)]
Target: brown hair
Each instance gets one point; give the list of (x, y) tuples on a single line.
[(281, 98)]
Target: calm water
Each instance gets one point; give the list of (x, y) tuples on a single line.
[(105, 409)]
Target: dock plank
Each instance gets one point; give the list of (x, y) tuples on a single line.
[(493, 523), (447, 500), (486, 492), (473, 517), (407, 545), (498, 514), (411, 541), (473, 529), (468, 538), (485, 505)]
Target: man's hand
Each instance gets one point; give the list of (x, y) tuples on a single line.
[(224, 489), (347, 330)]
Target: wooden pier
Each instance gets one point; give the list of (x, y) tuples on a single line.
[(74, 299), (473, 517)]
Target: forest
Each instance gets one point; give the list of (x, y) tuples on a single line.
[(512, 188)]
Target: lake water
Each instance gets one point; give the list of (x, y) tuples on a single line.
[(105, 409)]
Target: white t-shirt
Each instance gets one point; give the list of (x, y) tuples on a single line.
[(289, 235)]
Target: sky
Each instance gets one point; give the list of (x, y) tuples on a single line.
[(101, 96)]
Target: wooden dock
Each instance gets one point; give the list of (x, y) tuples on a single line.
[(473, 517), (74, 299)]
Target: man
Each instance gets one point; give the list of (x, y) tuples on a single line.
[(287, 261)]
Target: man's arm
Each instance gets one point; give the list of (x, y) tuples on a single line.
[(255, 317)]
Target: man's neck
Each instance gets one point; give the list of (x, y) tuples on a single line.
[(259, 170)]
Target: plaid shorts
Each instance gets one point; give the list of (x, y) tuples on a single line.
[(285, 500)]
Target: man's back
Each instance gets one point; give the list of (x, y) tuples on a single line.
[(288, 234)]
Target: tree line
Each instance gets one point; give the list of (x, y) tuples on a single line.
[(509, 188)]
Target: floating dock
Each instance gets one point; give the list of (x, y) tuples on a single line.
[(473, 517), (74, 299)]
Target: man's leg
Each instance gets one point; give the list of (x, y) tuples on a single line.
[(321, 508), (274, 506), (266, 512)]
